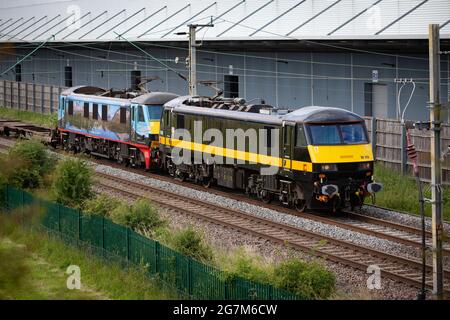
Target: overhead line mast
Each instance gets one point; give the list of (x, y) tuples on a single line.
[(192, 59), (436, 171)]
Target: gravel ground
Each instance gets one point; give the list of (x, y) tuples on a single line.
[(403, 218), (350, 283), (313, 226)]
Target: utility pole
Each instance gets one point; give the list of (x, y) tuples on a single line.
[(436, 187), (192, 60)]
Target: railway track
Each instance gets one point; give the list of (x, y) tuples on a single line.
[(396, 268), (383, 229), (380, 228), (393, 267)]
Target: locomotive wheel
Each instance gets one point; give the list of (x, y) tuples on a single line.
[(300, 205), (267, 197), (206, 182), (180, 176), (170, 169)]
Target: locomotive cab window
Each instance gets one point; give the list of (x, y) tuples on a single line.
[(70, 108), (165, 119), (300, 137), (94, 111), (154, 112), (105, 112), (123, 115), (140, 114), (287, 136), (353, 133), (86, 110), (334, 134), (180, 121)]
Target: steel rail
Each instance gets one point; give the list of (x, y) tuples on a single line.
[(394, 267)]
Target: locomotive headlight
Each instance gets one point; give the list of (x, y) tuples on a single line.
[(328, 167), (364, 166)]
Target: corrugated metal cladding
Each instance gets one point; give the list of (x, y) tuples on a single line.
[(87, 20), (84, 30)]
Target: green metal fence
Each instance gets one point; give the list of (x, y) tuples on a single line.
[(191, 277)]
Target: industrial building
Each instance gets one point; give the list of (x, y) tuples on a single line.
[(289, 53)]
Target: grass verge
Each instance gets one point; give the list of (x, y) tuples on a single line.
[(40, 281), (44, 260), (400, 192), (47, 120)]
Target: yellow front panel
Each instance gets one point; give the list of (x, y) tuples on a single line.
[(154, 126), (341, 153)]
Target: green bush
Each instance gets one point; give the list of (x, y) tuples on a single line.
[(309, 280), (191, 243), (246, 264), (72, 182), (26, 164), (142, 216), (102, 205)]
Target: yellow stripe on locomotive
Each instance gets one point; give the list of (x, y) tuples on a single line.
[(341, 153)]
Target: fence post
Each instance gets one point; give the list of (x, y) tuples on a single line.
[(79, 226), (22, 193), (374, 137), (59, 218), (51, 99), (128, 244), (11, 103), (34, 97), (226, 289), (190, 276), (7, 198), (156, 256), (4, 93), (103, 235), (18, 97), (26, 96), (42, 98), (404, 156)]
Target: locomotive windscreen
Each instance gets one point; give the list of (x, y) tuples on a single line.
[(334, 134)]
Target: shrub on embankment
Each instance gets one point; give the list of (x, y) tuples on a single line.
[(72, 187), (25, 165), (72, 182), (190, 242), (311, 280), (142, 216), (101, 205)]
